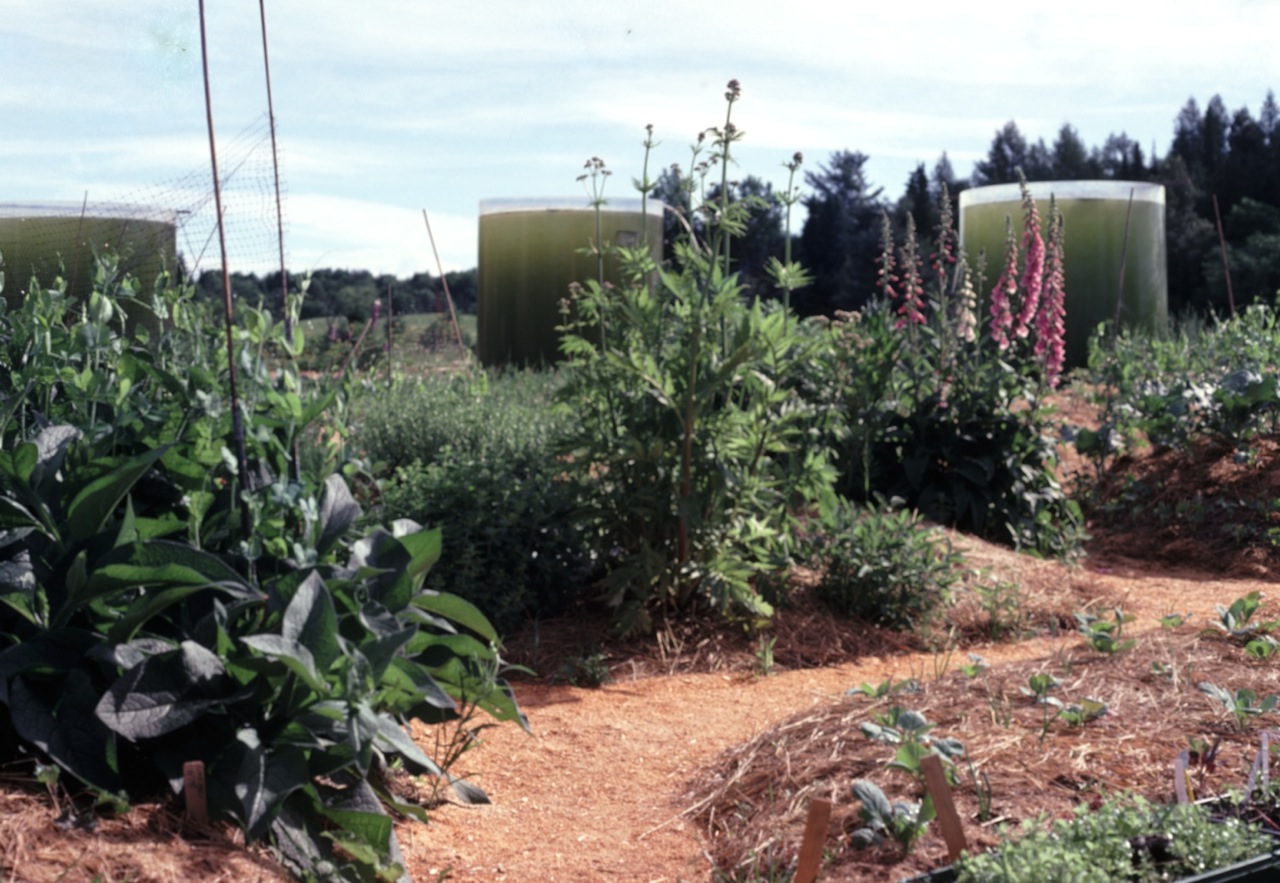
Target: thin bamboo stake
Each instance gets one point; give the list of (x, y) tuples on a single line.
[(237, 419), (453, 317), (275, 166), (1124, 254), (390, 335), (1226, 266)]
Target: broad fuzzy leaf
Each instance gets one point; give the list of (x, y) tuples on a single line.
[(161, 694), (93, 505)]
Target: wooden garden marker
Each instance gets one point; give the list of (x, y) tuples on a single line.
[(952, 829), (815, 835), (193, 789)]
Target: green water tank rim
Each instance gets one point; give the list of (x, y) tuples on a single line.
[(565, 204), (113, 211), (1114, 190)]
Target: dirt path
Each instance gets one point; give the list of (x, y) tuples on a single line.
[(595, 792)]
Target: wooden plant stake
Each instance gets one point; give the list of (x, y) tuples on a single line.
[(194, 791), (815, 835), (935, 778)]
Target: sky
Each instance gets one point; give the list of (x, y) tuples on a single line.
[(387, 108)]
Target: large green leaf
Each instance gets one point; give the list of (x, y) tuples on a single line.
[(338, 512), (458, 610), (162, 694), (310, 622), (66, 729), (96, 501), (294, 656), (264, 779)]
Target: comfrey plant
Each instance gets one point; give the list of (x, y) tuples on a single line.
[(693, 447), (943, 409)]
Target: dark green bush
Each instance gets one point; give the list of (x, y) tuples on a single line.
[(477, 455), (161, 605), (513, 544), (881, 565), (939, 414)]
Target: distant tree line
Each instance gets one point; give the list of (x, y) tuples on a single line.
[(1232, 159), (350, 293)]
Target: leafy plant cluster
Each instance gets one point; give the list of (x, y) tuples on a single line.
[(881, 565), (699, 450), (1215, 381), (160, 604), (902, 821), (476, 454), (941, 392), (1123, 839)]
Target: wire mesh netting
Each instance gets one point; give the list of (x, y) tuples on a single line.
[(169, 225)]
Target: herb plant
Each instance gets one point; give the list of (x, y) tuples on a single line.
[(159, 606)]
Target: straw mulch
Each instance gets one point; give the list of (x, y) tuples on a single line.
[(148, 843), (752, 803)]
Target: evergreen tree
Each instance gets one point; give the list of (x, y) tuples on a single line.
[(1008, 154), (918, 202), (1071, 159), (840, 239)]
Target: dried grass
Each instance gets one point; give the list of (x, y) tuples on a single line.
[(753, 801)]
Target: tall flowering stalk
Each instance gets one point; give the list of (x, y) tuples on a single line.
[(966, 302), (911, 291), (1050, 347), (886, 277), (1004, 291), (1033, 265)]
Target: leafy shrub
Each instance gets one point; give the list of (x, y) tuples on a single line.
[(1216, 381), (693, 445), (513, 546), (477, 456), (946, 412), (882, 565), (160, 605), (509, 417)]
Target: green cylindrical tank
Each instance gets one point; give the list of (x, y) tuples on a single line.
[(1094, 219), (47, 240), (530, 253)]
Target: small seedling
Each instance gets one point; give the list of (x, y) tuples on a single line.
[(1243, 705), (903, 822), (764, 662), (1263, 647), (1172, 621), (1039, 685), (1235, 620), (887, 687), (909, 730), (977, 665), (1079, 714), (1106, 637), (982, 790)]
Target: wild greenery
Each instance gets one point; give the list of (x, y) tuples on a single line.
[(881, 565), (476, 454), (1122, 839), (695, 445), (160, 605)]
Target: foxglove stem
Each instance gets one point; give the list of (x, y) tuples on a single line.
[(911, 309), (1050, 345), (886, 280), (1033, 268), (1005, 288)]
